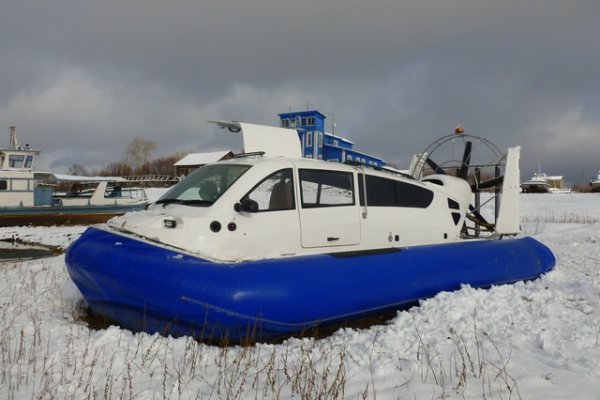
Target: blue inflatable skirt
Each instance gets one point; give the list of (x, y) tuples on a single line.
[(147, 287)]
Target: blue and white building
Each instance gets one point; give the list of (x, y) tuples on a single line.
[(319, 144)]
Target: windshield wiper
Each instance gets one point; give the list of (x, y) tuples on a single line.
[(197, 202), (164, 202)]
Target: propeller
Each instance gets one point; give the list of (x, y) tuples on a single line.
[(463, 172), (436, 168), (490, 183), (464, 166)]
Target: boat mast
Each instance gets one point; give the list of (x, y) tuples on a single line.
[(14, 143)]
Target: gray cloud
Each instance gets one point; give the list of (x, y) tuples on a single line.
[(82, 79)]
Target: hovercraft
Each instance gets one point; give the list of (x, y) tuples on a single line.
[(270, 244)]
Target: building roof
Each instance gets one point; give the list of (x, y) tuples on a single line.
[(340, 138), (202, 158), (302, 113)]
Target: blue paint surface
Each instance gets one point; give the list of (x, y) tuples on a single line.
[(146, 287)]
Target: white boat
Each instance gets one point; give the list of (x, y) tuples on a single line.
[(28, 197), (538, 183), (595, 184), (269, 244)]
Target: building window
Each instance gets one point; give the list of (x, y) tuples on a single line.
[(3, 185), (303, 122), (320, 139), (323, 188), (310, 120), (285, 123), (309, 139)]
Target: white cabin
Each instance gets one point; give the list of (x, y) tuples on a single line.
[(270, 205), (17, 180)]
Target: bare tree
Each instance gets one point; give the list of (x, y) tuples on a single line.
[(164, 165), (79, 170), (138, 152), (116, 169)]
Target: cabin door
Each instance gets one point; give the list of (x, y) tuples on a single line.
[(329, 215)]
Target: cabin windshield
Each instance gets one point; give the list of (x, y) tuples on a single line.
[(205, 185), (28, 161), (16, 160)]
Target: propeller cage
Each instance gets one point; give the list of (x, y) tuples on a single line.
[(477, 160)]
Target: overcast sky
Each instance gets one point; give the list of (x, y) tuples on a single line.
[(80, 79)]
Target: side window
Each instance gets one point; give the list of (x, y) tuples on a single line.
[(275, 192), (321, 188), (408, 195), (28, 161), (382, 192)]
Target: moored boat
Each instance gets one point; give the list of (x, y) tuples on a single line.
[(29, 197), (538, 183), (269, 244), (595, 183)]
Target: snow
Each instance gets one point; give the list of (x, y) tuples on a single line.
[(154, 194), (538, 339)]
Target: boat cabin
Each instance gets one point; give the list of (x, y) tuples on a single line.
[(17, 180), (267, 206), (257, 207)]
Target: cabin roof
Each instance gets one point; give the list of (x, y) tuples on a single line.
[(202, 158), (77, 178), (310, 163)]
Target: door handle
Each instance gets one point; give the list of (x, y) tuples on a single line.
[(332, 239)]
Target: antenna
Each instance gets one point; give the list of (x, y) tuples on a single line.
[(333, 123)]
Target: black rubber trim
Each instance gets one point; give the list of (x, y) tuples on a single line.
[(361, 253)]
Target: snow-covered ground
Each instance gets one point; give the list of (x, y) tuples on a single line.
[(534, 340)]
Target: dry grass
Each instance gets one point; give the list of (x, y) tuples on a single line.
[(66, 359)]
